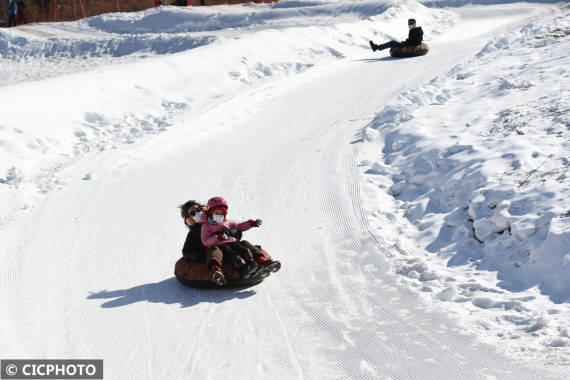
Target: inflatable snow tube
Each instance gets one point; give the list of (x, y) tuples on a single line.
[(197, 275), (409, 51)]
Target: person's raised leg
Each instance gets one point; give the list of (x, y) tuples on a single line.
[(256, 251), (389, 44), (237, 260), (270, 264), (252, 266)]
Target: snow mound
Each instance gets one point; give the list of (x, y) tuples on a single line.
[(64, 47), (477, 163), (250, 16)]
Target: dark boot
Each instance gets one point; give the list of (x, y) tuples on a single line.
[(274, 266), (252, 266), (373, 46), (270, 265), (256, 269)]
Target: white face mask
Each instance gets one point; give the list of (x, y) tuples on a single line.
[(197, 217), (218, 218)]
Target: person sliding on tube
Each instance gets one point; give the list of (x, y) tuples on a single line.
[(193, 249), (216, 232), (414, 38)]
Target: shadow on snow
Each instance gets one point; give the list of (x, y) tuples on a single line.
[(168, 291)]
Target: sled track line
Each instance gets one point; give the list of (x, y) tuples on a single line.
[(102, 259), (98, 318), (148, 336), (346, 321), (11, 264), (288, 340), (202, 326)]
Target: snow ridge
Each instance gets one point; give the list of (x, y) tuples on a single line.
[(477, 163)]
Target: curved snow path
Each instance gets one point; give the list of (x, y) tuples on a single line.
[(90, 274)]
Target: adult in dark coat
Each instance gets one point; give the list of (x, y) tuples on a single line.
[(13, 12), (415, 37), (193, 249), (21, 12)]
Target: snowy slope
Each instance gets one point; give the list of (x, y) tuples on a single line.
[(98, 109), (476, 162), (268, 114)]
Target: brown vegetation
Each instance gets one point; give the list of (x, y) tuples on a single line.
[(69, 10)]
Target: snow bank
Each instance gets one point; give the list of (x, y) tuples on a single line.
[(477, 162), (459, 3), (39, 51), (249, 16)]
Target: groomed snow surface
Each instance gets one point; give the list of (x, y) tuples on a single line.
[(419, 206)]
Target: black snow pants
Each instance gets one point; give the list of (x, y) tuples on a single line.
[(390, 44), (235, 249)]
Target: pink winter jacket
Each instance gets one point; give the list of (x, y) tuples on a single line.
[(209, 238)]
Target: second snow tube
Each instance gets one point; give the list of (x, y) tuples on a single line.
[(409, 51), (196, 274)]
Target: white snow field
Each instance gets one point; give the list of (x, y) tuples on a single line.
[(419, 206)]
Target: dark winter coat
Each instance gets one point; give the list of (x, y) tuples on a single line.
[(13, 8), (414, 37), (193, 248)]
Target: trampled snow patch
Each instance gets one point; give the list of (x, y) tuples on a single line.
[(477, 163)]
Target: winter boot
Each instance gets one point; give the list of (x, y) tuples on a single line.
[(218, 277), (252, 266), (242, 267), (268, 264), (373, 46), (274, 266), (256, 269)]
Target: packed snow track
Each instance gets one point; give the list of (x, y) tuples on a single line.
[(88, 272)]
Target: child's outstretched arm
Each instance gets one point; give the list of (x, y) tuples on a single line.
[(244, 226)]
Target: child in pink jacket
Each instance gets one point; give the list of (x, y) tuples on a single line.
[(216, 232)]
